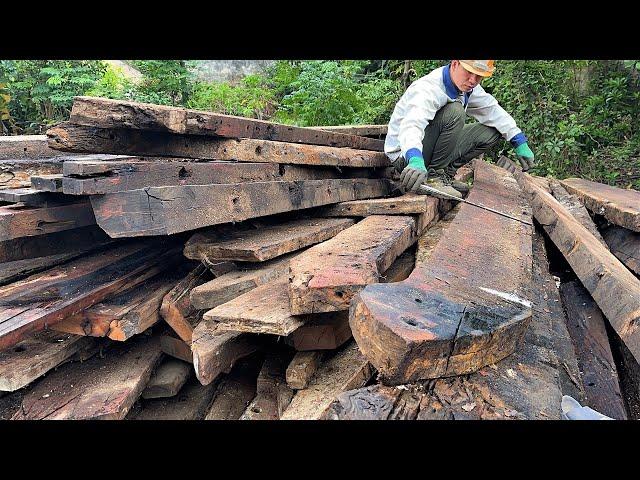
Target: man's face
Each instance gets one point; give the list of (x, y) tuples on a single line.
[(462, 78)]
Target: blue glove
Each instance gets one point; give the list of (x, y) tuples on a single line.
[(413, 174), (525, 156)]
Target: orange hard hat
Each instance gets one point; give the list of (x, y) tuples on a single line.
[(484, 68)]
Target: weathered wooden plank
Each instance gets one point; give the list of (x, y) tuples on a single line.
[(236, 389), (466, 306), (625, 245), (216, 351), (20, 221), (264, 243), (80, 138), (26, 147), (47, 183), (32, 197), (403, 205), (327, 276), (167, 379), (33, 357), (176, 348), (126, 314), (167, 210), (302, 367), (102, 388), (323, 331), (47, 298), (18, 269), (176, 308), (191, 403), (346, 370), (614, 288), (107, 113), (233, 284), (587, 329), (575, 207), (617, 205), (273, 394), (66, 241), (362, 130)]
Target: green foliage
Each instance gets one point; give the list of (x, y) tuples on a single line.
[(166, 82), (113, 84)]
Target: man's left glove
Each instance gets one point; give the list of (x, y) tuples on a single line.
[(525, 157), (413, 174)]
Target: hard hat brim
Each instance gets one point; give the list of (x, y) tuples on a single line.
[(471, 69)]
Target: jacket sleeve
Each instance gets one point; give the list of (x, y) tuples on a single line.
[(485, 108), (421, 106)]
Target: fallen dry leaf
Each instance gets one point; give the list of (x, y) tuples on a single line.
[(511, 373), (469, 406)]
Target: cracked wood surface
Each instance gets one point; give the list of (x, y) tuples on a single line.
[(87, 139), (49, 297), (107, 113), (614, 288), (528, 384), (18, 221), (33, 357), (101, 388), (128, 313), (327, 276), (347, 369), (264, 243), (167, 210), (617, 205), (466, 307), (625, 245), (406, 204), (586, 325)]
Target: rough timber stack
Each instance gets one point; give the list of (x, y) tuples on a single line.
[(229, 268)]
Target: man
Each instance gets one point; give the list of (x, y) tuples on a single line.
[(427, 138)]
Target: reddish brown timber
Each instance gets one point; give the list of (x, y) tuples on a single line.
[(587, 328), (107, 113), (466, 306), (617, 205), (20, 221), (273, 395), (34, 198), (346, 370), (30, 147), (362, 130), (614, 288), (51, 296), (18, 269), (327, 276), (260, 244), (126, 314), (167, 210), (323, 331), (403, 205), (176, 308), (302, 367), (102, 388), (80, 138), (67, 241), (233, 284), (176, 348), (48, 183), (33, 357), (216, 351), (167, 379), (625, 245), (236, 389)]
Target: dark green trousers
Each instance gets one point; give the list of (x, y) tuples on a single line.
[(449, 142)]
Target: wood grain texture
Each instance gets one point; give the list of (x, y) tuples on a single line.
[(323, 331), (346, 370), (625, 245), (265, 243), (614, 288), (32, 197), (102, 388), (14, 147), (80, 138), (107, 113), (47, 183), (327, 276), (587, 328), (362, 130), (167, 379), (176, 347), (467, 306), (167, 210), (33, 357), (406, 204), (302, 367), (617, 205)]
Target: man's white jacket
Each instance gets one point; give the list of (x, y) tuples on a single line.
[(422, 100)]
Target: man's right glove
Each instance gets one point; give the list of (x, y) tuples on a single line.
[(413, 174), (525, 157)]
